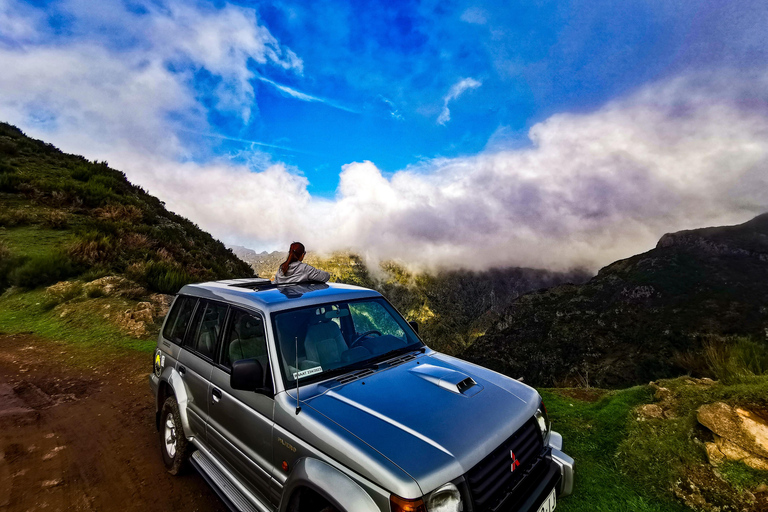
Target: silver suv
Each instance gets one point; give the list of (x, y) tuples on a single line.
[(321, 397)]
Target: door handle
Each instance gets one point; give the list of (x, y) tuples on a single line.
[(216, 395), (182, 370)]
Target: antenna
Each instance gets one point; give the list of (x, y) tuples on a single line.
[(296, 341)]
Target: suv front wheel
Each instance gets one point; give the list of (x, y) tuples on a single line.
[(173, 443)]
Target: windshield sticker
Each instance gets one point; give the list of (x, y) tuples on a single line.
[(305, 373)]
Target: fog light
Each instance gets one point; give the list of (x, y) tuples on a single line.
[(445, 499)]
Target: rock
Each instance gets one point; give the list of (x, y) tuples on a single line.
[(114, 286), (161, 304), (650, 411), (135, 320), (64, 290), (739, 434)]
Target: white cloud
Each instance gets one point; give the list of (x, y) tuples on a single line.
[(293, 93), (456, 90), (593, 188)]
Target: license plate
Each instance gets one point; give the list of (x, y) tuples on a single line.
[(549, 503)]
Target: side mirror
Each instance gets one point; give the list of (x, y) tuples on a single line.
[(414, 326), (248, 375)]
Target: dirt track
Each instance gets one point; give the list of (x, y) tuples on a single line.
[(78, 435)]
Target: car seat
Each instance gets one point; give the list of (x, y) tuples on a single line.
[(324, 343)]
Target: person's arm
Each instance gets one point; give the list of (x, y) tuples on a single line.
[(315, 274)]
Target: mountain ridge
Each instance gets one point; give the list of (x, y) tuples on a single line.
[(641, 318)]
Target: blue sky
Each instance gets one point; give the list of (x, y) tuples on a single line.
[(391, 128)]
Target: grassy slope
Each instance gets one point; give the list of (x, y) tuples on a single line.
[(626, 464), (62, 216)]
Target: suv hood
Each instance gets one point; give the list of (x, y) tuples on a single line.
[(416, 415)]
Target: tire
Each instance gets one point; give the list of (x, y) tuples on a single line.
[(173, 444)]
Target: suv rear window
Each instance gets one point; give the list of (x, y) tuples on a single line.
[(178, 318)]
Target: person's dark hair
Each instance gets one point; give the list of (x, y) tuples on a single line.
[(294, 254)]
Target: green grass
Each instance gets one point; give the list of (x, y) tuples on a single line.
[(626, 464), (742, 476), (592, 434), (34, 240), (84, 325)]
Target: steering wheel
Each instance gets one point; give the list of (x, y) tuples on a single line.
[(361, 336)]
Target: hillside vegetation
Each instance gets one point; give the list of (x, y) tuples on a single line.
[(63, 217), (452, 307), (696, 304)]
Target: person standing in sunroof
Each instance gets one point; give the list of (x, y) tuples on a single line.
[(294, 270)]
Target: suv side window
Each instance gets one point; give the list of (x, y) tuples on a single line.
[(245, 339), (176, 325), (209, 320)]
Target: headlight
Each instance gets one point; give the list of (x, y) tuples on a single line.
[(445, 499), (543, 420)]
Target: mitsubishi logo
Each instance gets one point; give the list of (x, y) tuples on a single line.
[(515, 462)]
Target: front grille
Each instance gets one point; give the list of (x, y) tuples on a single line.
[(492, 483)]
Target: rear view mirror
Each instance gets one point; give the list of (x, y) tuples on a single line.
[(248, 375), (414, 326)]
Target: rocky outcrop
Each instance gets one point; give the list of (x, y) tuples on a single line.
[(739, 434)]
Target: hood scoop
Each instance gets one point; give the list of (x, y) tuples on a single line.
[(450, 380)]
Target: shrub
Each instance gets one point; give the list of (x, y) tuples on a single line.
[(165, 277), (93, 248), (96, 194), (55, 219), (732, 360), (15, 217), (9, 182), (42, 270)]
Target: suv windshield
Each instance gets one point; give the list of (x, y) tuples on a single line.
[(319, 341)]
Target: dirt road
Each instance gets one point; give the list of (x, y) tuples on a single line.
[(77, 433)]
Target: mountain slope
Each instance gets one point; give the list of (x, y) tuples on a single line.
[(641, 318), (62, 216)]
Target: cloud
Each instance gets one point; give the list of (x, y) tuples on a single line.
[(293, 93), (456, 90), (591, 188)]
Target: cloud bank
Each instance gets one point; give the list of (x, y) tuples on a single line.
[(592, 188)]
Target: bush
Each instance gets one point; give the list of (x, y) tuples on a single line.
[(15, 217), (165, 277), (42, 270), (93, 248), (96, 194), (55, 219), (732, 360), (9, 182)]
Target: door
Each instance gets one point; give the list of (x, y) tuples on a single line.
[(196, 361), (240, 422)]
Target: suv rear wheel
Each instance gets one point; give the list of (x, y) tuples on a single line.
[(173, 443)]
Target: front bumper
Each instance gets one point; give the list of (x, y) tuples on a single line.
[(564, 462)]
